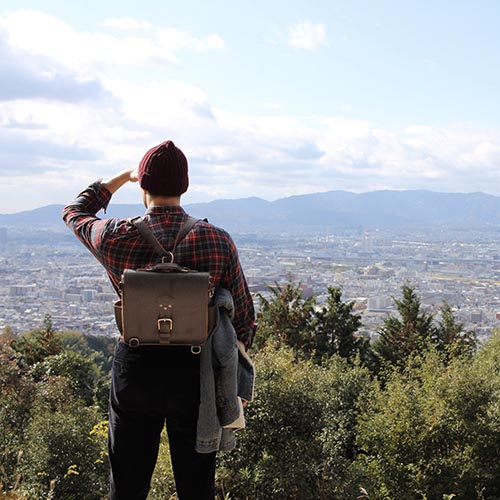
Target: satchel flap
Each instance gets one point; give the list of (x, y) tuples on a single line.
[(169, 308)]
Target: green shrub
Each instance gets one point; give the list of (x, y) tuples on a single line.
[(16, 397), (80, 371), (62, 457), (299, 441), (434, 430)]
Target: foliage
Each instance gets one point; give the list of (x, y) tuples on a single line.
[(48, 383), (35, 345), (16, 399), (299, 440), (80, 371), (60, 454), (414, 331), (410, 332), (451, 339), (285, 317), (314, 332), (434, 430), (334, 328), (96, 347), (322, 426)]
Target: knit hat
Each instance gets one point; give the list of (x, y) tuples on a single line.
[(164, 170)]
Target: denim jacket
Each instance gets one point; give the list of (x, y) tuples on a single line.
[(226, 375)]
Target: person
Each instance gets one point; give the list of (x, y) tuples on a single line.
[(156, 386)]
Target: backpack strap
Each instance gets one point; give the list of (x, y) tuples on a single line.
[(184, 230), (148, 235)]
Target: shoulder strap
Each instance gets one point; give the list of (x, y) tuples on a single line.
[(148, 235), (184, 230)]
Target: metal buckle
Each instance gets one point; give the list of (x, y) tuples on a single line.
[(133, 342), (196, 349), (169, 323), (169, 256)]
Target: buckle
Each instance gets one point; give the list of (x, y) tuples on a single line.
[(169, 256), (134, 342), (162, 322)]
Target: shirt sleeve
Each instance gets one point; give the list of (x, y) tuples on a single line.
[(244, 317), (80, 216)]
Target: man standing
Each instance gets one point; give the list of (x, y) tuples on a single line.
[(154, 386)]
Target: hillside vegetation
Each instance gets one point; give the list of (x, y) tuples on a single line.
[(414, 416)]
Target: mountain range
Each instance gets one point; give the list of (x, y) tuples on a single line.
[(333, 209)]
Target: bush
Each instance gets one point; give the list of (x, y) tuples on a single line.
[(300, 437), (63, 457), (16, 397), (434, 430), (81, 372)]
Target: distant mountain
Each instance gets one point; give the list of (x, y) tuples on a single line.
[(383, 209)]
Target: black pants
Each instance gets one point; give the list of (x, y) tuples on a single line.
[(152, 387)]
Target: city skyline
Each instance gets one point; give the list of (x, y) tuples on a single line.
[(64, 280), (268, 99)]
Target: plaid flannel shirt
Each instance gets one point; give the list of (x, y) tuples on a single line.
[(117, 245)]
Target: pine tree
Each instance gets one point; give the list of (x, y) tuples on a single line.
[(411, 332), (335, 326), (318, 333), (451, 338), (286, 316)]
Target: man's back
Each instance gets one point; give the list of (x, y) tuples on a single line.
[(156, 386), (118, 245)]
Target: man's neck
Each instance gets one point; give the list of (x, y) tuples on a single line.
[(151, 201)]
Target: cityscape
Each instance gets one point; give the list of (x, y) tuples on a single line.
[(48, 272)]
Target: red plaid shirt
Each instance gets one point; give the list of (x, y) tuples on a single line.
[(117, 245)]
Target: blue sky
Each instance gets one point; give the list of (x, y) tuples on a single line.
[(266, 99)]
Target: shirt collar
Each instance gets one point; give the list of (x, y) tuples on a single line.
[(165, 209)]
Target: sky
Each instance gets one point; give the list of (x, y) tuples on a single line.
[(266, 98)]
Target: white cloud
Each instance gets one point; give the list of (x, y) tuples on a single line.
[(54, 142), (127, 24), (40, 34), (174, 39), (306, 35)]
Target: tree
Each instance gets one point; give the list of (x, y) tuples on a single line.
[(407, 334), (47, 392), (299, 441), (8, 335), (35, 345), (334, 328), (80, 370), (451, 338), (285, 317), (62, 459), (313, 332), (433, 430), (16, 398)]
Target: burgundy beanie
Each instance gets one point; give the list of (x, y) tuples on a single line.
[(164, 170)]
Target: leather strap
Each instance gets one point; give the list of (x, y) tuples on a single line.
[(148, 235), (184, 230)]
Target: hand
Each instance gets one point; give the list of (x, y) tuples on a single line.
[(134, 175), (117, 181)]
